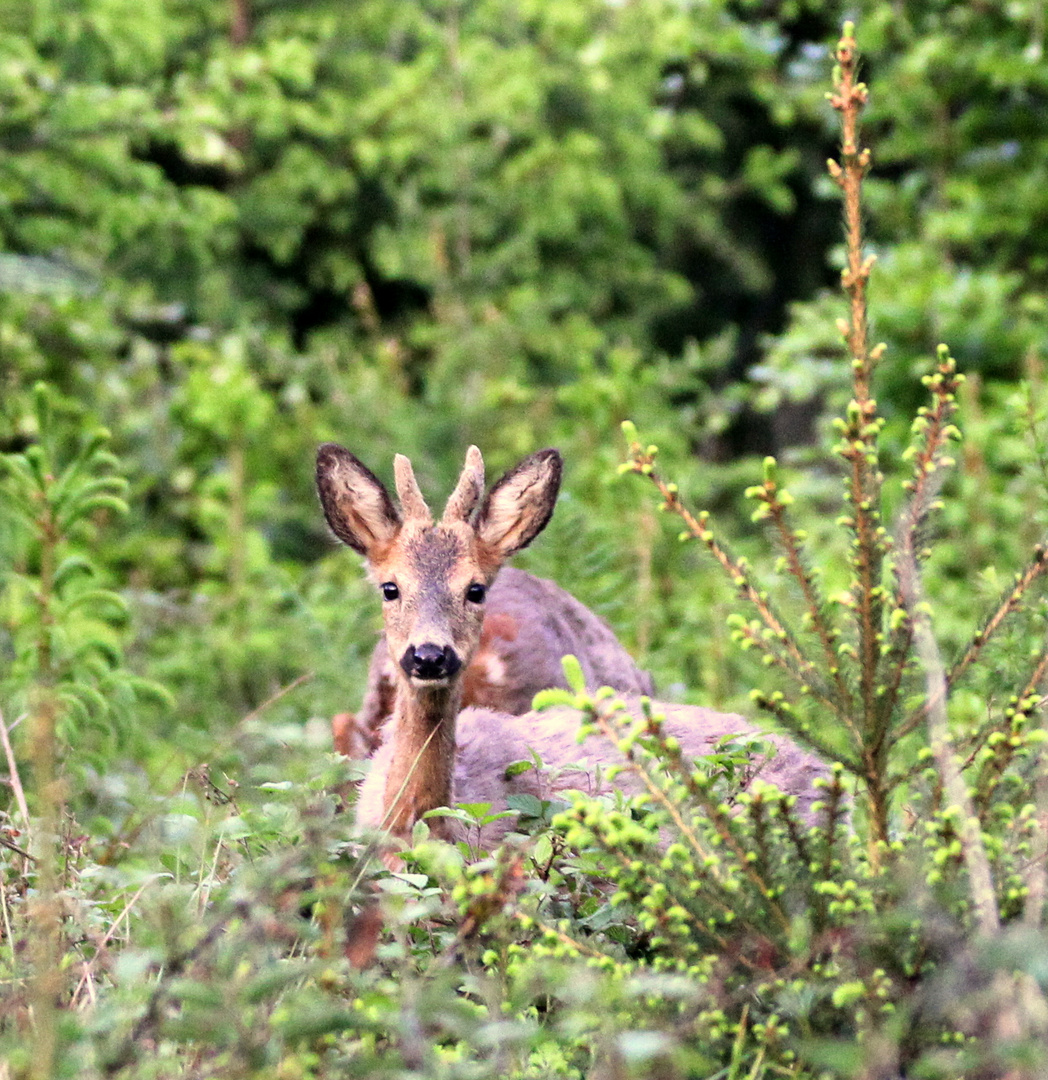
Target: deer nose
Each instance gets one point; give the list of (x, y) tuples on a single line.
[(430, 661)]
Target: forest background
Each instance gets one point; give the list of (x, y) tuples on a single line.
[(232, 231)]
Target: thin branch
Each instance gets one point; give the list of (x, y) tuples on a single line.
[(785, 653), (89, 967), (783, 711), (1036, 871), (849, 100), (529, 921), (773, 505), (151, 1018), (17, 850), (274, 698), (725, 903), (935, 429), (862, 426), (973, 851), (15, 780), (1017, 715), (1027, 702), (1011, 602), (718, 818)]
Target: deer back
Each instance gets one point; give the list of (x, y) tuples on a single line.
[(549, 624), (488, 742)]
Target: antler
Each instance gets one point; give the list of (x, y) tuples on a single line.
[(468, 490), (411, 501)]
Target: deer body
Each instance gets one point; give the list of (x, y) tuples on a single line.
[(435, 578), (487, 742)]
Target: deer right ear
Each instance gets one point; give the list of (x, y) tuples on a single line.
[(357, 506), (519, 506)]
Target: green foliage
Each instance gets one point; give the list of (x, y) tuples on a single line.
[(64, 632), (954, 145)]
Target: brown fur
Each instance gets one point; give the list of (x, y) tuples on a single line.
[(518, 508), (487, 742)]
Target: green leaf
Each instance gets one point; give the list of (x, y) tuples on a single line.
[(97, 601), (69, 568), (83, 508), (526, 804), (313, 1020), (234, 828), (573, 673), (552, 697)]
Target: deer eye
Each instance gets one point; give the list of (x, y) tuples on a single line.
[(475, 593), (390, 591)]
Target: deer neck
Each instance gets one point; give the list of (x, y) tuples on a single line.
[(422, 761)]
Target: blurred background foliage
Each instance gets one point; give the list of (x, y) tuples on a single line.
[(229, 231)]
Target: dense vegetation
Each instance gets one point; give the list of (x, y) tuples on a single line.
[(230, 232)]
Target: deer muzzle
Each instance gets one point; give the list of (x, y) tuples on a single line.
[(430, 662)]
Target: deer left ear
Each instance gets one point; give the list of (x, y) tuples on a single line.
[(520, 505)]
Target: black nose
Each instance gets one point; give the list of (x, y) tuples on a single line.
[(430, 661)]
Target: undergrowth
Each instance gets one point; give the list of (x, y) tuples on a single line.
[(232, 924)]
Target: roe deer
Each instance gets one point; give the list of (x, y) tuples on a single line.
[(529, 625), (434, 578)]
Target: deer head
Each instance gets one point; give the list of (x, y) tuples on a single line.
[(434, 576)]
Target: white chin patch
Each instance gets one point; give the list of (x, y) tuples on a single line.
[(430, 684)]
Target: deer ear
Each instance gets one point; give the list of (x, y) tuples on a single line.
[(518, 507), (357, 506)]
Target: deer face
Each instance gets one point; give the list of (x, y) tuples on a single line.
[(433, 588), (433, 577)]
